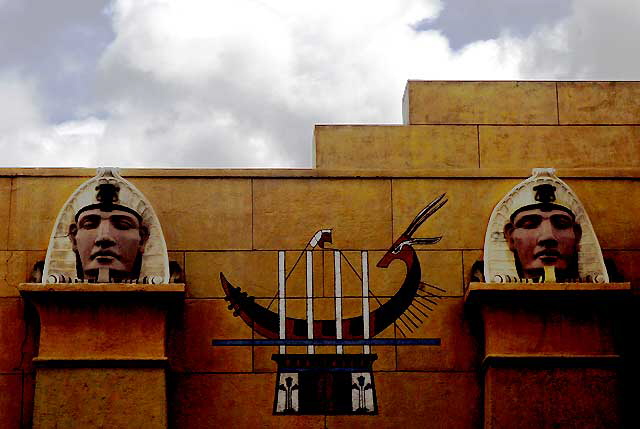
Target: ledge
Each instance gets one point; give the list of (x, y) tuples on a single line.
[(101, 362), (282, 173), (478, 293), (547, 360), (34, 290)]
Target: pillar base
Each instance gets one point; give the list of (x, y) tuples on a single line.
[(552, 353), (102, 359)]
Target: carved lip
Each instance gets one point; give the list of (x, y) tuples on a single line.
[(107, 254), (548, 253)]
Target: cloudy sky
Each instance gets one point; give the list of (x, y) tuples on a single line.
[(201, 83)]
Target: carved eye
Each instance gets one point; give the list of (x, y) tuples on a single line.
[(123, 223), (529, 222), (561, 221), (89, 222)]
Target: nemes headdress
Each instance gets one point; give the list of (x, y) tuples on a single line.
[(543, 188), (106, 190)]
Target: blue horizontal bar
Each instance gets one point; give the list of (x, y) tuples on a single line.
[(370, 342)]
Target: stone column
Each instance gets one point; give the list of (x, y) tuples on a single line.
[(552, 353), (102, 358)]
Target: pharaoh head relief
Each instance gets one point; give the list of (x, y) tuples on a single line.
[(540, 231), (106, 232)]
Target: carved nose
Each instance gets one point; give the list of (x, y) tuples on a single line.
[(547, 232), (104, 234)]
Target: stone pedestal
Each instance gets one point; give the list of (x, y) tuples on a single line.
[(101, 360), (552, 353)]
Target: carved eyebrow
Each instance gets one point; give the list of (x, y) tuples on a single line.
[(562, 215), (124, 219), (528, 218), (120, 217), (88, 218), (562, 218)]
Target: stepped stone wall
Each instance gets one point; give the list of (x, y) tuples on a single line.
[(472, 140)]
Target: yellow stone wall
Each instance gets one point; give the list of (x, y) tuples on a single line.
[(473, 140)]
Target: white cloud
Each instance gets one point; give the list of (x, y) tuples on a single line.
[(271, 70), (27, 140), (195, 83), (595, 42), (19, 102)]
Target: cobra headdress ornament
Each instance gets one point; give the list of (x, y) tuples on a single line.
[(542, 188)]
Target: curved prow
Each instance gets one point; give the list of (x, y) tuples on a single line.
[(266, 322), (407, 239), (403, 249)]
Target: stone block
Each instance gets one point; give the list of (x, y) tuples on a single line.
[(599, 102), (609, 203), (351, 273), (387, 358), (552, 398), (415, 399), (459, 351), (35, 204), (462, 222), (10, 403), (5, 205), (17, 267), (296, 269), (13, 267), (256, 272), (178, 257), (12, 334), (201, 321), (354, 147), (262, 361), (625, 263), (230, 401), (288, 212), (442, 272), (469, 257), (28, 395), (100, 397), (438, 102), (201, 214), (559, 147), (33, 257)]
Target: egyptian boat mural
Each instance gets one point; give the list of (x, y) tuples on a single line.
[(338, 383)]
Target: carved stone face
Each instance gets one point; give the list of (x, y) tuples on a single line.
[(540, 238), (108, 239)]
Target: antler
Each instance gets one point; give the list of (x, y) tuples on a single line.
[(425, 214), (407, 239)]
